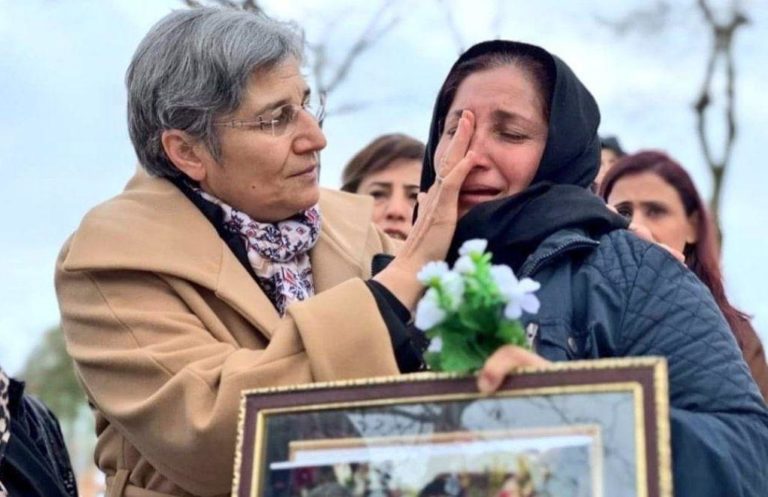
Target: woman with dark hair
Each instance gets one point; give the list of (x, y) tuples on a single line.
[(528, 127), (610, 153), (651, 189), (388, 170)]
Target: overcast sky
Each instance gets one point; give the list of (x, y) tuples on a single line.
[(64, 145)]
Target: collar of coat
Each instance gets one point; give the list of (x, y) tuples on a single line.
[(152, 226)]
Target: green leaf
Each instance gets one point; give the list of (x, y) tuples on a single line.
[(457, 356), (511, 332)]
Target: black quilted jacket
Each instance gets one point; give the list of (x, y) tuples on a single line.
[(36, 462), (620, 296)]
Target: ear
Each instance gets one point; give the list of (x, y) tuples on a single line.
[(186, 153), (692, 235)]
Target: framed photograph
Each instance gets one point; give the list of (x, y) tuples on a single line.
[(582, 429)]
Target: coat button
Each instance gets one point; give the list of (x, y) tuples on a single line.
[(572, 344)]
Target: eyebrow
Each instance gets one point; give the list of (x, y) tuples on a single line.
[(455, 114), (280, 103), (504, 116), (388, 184), (642, 203), (653, 203), (499, 115)]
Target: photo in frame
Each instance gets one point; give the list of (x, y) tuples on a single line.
[(591, 428)]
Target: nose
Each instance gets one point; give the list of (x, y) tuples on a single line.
[(308, 136), (398, 208), (637, 217)]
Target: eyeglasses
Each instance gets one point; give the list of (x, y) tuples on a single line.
[(280, 120)]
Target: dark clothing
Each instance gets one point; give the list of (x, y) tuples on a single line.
[(408, 342), (606, 293), (619, 296), (516, 225), (36, 462)]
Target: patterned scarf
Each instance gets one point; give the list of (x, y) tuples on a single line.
[(278, 253), (5, 422)]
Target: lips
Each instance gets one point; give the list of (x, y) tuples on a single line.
[(474, 194), (395, 233), (306, 171)]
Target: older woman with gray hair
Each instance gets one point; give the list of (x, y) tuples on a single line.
[(223, 266)]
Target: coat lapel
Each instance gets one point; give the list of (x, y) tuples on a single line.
[(153, 227), (341, 250)]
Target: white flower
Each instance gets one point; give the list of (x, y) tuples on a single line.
[(521, 298), (428, 311), (474, 246), (464, 265), (432, 271), (517, 293), (503, 277), (453, 285), (435, 345)]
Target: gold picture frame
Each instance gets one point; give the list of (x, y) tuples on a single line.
[(588, 428)]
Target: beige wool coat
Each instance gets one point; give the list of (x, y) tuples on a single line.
[(166, 328)]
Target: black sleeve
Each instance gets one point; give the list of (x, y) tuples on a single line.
[(36, 462), (408, 342)]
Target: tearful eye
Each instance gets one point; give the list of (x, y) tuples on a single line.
[(512, 136)]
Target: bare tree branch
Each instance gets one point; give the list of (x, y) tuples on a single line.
[(326, 76), (722, 50), (645, 19), (369, 37)]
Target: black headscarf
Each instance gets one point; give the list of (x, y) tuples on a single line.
[(557, 197)]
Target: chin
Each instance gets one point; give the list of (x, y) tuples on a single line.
[(306, 198)]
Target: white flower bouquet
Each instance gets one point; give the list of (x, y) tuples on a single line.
[(468, 312)]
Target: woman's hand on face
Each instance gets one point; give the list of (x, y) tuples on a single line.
[(502, 362), (431, 235)]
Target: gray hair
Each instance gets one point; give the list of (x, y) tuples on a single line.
[(194, 65)]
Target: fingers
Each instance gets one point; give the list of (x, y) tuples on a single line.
[(499, 365), (642, 232), (455, 178), (457, 148)]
